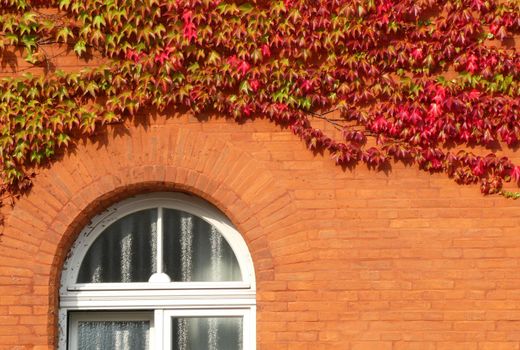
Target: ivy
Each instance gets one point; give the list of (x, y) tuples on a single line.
[(417, 81)]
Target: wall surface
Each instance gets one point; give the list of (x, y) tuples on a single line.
[(345, 259)]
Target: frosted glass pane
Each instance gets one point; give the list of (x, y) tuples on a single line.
[(207, 333), (124, 252), (113, 335), (195, 251)]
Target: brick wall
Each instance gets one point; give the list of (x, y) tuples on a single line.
[(345, 259), (348, 259)]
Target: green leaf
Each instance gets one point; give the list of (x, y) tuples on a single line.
[(98, 21), (228, 9), (63, 139), (91, 89), (246, 8), (80, 47), (29, 17), (29, 41), (64, 4), (64, 34), (213, 57), (194, 67), (305, 103), (244, 87)]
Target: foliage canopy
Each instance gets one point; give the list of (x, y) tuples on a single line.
[(381, 65)]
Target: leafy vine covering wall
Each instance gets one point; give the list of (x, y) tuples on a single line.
[(414, 80)]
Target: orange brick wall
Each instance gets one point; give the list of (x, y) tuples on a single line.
[(345, 259)]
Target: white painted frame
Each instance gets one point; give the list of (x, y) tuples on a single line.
[(158, 295), (248, 325)]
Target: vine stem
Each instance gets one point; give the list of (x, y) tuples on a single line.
[(323, 116)]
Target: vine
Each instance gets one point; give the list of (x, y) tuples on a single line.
[(417, 81)]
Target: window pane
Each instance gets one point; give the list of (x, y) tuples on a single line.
[(195, 251), (124, 252), (116, 335), (207, 333)]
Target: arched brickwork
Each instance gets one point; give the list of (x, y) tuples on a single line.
[(46, 222)]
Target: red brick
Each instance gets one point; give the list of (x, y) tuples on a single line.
[(499, 346), (368, 345)]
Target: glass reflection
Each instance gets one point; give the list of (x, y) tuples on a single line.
[(113, 335), (194, 250), (124, 252), (207, 333)]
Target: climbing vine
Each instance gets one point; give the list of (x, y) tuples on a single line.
[(425, 82)]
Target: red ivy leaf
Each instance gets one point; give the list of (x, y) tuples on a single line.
[(266, 51), (189, 29), (243, 67), (471, 64), (515, 173), (417, 54), (479, 168), (474, 95), (306, 85), (254, 84), (161, 58), (435, 110), (133, 55)]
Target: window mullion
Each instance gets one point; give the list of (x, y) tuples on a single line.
[(159, 276), (158, 336), (159, 240)]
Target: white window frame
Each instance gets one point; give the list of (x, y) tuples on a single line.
[(247, 327), (158, 295)]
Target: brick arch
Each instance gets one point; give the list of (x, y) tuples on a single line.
[(71, 191)]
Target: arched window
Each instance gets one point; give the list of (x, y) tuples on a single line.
[(158, 271)]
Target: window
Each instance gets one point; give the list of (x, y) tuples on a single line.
[(158, 271)]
